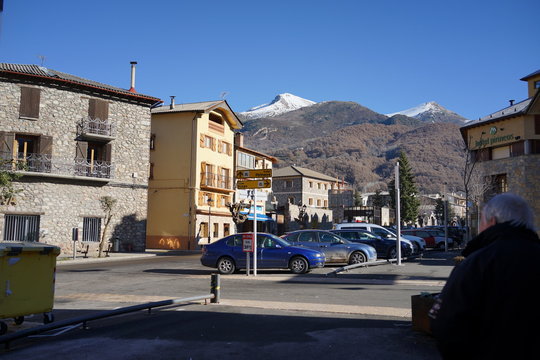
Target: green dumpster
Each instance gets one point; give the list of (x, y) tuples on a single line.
[(27, 274)]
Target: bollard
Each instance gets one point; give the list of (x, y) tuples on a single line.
[(215, 288)]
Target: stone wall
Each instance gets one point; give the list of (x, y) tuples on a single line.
[(523, 176), (62, 202)]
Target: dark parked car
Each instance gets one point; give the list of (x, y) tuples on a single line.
[(227, 255), (386, 248), (335, 248)]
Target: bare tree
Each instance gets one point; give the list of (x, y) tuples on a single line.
[(236, 210), (107, 204)]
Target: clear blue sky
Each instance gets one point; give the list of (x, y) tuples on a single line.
[(387, 55)]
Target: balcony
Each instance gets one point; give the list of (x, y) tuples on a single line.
[(49, 166), (216, 181), (96, 129)]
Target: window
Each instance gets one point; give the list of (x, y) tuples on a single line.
[(319, 186), (517, 149), (21, 227), (216, 230), (224, 179), (34, 152), (310, 201), (203, 231), (537, 124), (29, 106), (502, 152), (224, 148), (93, 159), (208, 142), (288, 183), (311, 184), (500, 183), (537, 84), (153, 142), (308, 236), (91, 229), (226, 229), (325, 203), (318, 202), (246, 161), (325, 186)]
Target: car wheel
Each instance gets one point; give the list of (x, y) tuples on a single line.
[(298, 265), (392, 253), (357, 257), (18, 320), (226, 266), (440, 246)]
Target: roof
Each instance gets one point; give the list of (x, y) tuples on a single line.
[(201, 107), (257, 153), (45, 73), (514, 110), (525, 78), (296, 171)]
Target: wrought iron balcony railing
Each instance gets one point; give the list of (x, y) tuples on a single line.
[(96, 127), (43, 163), (216, 181)]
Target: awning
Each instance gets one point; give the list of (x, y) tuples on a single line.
[(260, 217)]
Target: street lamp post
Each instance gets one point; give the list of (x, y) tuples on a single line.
[(209, 201)]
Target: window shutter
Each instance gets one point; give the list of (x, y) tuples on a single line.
[(200, 198), (229, 149), (98, 109), (45, 145), (201, 142), (29, 106), (81, 150), (213, 142), (107, 156), (220, 146), (6, 143)]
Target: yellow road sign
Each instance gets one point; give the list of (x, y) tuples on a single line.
[(254, 173), (254, 184)]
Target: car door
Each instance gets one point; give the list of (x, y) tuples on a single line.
[(235, 244), (308, 239), (333, 247), (271, 254), (373, 240)]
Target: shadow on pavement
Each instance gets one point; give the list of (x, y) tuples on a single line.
[(225, 332)]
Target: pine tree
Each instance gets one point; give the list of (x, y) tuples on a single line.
[(408, 198)]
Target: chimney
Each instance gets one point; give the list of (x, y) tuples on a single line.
[(511, 102), (172, 102), (239, 139), (132, 89)]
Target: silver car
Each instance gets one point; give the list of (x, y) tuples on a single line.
[(335, 248)]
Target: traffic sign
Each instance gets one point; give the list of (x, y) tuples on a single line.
[(254, 184), (254, 173), (247, 242)]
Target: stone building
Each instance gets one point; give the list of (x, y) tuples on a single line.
[(505, 147), (74, 141), (318, 194)]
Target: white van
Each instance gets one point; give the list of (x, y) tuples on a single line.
[(417, 243)]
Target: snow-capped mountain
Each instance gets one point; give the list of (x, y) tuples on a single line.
[(431, 112), (281, 104)]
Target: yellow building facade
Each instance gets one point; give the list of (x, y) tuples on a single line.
[(191, 174)]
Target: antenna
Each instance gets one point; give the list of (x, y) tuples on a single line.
[(223, 95), (42, 58)]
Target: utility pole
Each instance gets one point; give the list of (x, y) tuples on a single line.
[(398, 217)]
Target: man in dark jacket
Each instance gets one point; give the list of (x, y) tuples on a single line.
[(489, 307)]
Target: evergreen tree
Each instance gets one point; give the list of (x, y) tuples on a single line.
[(357, 198), (409, 202)]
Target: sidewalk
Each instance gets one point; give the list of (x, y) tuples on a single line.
[(65, 259)]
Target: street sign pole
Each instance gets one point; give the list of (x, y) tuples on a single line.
[(255, 233), (398, 217)]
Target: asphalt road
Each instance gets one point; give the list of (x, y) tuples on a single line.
[(361, 314)]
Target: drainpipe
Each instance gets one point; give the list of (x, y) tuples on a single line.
[(132, 88)]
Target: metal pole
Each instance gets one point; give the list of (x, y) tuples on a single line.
[(255, 232), (445, 224), (398, 217), (209, 219), (215, 285)]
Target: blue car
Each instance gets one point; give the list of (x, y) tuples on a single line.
[(227, 255), (335, 248), (386, 248)]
